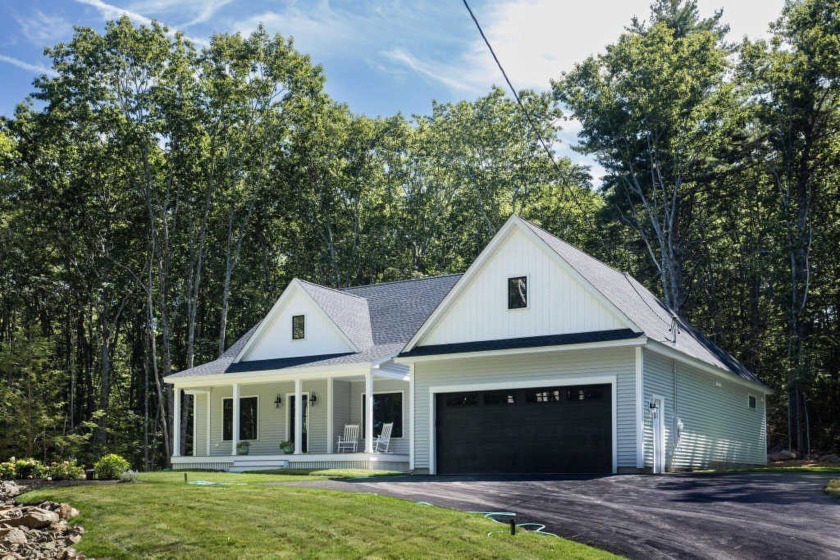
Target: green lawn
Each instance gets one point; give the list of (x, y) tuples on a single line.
[(772, 469), (162, 517)]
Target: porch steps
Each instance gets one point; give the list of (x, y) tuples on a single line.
[(257, 465)]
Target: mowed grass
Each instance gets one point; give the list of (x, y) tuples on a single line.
[(164, 518)]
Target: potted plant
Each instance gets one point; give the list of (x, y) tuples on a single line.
[(242, 448), (287, 447)]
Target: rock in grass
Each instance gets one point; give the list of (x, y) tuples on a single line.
[(32, 518)]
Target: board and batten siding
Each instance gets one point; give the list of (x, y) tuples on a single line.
[(271, 421), (718, 425), (567, 366), (274, 339), (558, 302), (398, 445)]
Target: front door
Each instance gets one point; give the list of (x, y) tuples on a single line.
[(291, 424)]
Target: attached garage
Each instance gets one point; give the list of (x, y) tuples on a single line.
[(560, 429)]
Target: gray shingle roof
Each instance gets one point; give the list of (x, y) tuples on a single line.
[(348, 311), (399, 309), (379, 318), (643, 308)]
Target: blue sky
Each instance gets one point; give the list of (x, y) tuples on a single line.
[(380, 56)]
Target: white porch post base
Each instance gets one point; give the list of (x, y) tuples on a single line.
[(176, 422), (298, 417), (234, 437), (368, 435)]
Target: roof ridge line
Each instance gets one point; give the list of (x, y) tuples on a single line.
[(336, 290), (400, 281)]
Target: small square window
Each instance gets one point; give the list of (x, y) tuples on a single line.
[(298, 327), (752, 401), (518, 292)]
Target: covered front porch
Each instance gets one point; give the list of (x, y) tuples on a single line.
[(252, 422)]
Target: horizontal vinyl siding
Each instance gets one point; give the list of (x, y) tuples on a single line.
[(200, 419), (341, 410), (568, 366), (659, 381), (718, 426), (271, 421), (398, 445)]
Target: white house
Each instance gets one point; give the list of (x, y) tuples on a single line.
[(539, 359)]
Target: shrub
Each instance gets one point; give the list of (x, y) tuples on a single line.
[(110, 467), (27, 468), (130, 476), (7, 470), (65, 470)]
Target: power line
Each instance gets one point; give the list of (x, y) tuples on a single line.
[(527, 113)]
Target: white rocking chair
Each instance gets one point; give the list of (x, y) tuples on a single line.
[(383, 440), (349, 441)]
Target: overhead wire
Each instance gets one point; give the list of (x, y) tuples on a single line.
[(534, 129)]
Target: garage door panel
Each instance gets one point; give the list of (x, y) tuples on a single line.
[(539, 430)]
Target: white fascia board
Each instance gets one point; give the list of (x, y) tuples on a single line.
[(273, 376), (663, 350), (640, 341)]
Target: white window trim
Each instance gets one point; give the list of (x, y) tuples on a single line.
[(525, 384), (287, 416), (748, 401), (362, 408), (527, 278), (293, 327), (222, 415)]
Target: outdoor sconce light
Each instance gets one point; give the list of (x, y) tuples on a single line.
[(278, 402), (313, 399)]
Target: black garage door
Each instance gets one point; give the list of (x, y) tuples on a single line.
[(538, 430)]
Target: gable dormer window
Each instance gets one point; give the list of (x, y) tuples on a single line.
[(518, 292), (298, 327)]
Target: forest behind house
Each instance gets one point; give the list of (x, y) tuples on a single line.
[(156, 197)]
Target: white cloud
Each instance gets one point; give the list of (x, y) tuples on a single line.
[(41, 28), (198, 11), (109, 11), (536, 40), (319, 32), (439, 73), (35, 68)]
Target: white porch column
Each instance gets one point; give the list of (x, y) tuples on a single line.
[(368, 412), (209, 399), (234, 439), (298, 417), (176, 422), (330, 413)]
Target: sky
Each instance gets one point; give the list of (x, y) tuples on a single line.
[(380, 56)]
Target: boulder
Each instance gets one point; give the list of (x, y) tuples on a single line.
[(32, 518), (8, 490), (783, 455), (830, 458), (12, 535), (66, 511)]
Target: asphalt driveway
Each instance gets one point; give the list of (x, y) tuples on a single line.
[(750, 515)]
